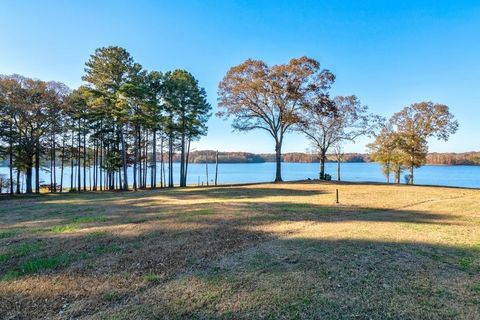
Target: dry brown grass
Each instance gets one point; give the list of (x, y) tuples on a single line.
[(260, 251)]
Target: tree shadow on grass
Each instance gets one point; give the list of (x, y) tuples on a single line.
[(270, 277), (216, 261), (251, 192), (325, 279)]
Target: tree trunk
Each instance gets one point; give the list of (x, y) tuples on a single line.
[(153, 183), (206, 168), (170, 161), (145, 161), (323, 158), (187, 160), (95, 164), (18, 181), (278, 160), (28, 182), (216, 168), (54, 165), (182, 160), (411, 174), (71, 162), (62, 165), (135, 162), (84, 160), (124, 159), (10, 158), (100, 164), (79, 147), (139, 159), (162, 168), (338, 169), (37, 169), (51, 164)]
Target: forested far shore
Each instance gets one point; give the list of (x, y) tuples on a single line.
[(202, 156), (435, 158)]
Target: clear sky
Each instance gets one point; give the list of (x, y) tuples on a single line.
[(389, 53)]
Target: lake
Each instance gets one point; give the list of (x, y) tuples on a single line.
[(458, 176)]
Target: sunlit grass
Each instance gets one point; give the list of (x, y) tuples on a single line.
[(260, 251)]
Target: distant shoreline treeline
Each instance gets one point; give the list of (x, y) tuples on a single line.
[(464, 158), (436, 158)]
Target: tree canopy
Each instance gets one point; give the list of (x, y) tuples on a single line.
[(270, 98), (103, 127)]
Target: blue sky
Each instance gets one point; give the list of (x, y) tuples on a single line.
[(389, 53)]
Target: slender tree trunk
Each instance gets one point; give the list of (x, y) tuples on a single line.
[(37, 168), (71, 162), (95, 164), (135, 161), (54, 165), (101, 162), (162, 168), (278, 160), (153, 183), (145, 161), (170, 161), (10, 158), (138, 150), (216, 168), (79, 148), (51, 164), (62, 164), (182, 160), (206, 168), (84, 160), (338, 169), (187, 160), (411, 174), (124, 159)]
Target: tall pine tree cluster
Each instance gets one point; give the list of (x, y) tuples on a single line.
[(123, 116)]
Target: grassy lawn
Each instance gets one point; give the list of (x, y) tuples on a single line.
[(261, 251)]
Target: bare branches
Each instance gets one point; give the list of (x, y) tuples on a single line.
[(270, 98)]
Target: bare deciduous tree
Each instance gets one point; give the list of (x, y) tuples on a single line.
[(270, 98), (328, 122)]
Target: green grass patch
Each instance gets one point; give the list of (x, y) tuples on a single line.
[(191, 215), (476, 288), (25, 249), (7, 234), (96, 235), (110, 295), (135, 220), (151, 277), (64, 228), (20, 250), (38, 264), (4, 257), (90, 219), (10, 275), (106, 248), (74, 223)]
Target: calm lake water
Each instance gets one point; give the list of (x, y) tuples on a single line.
[(459, 176)]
